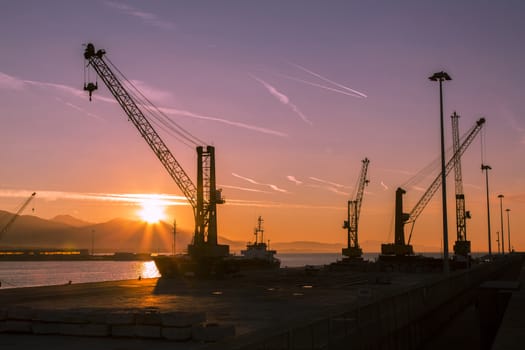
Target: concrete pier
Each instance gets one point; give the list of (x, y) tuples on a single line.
[(285, 309)]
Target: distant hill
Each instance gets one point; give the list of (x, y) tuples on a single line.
[(70, 220), (118, 235)]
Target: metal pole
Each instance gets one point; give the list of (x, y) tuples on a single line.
[(508, 228), (487, 168), (501, 217), (442, 76)]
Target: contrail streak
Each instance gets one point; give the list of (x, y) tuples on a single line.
[(327, 80), (283, 99), (320, 86), (329, 182), (294, 180), (273, 187), (14, 83)]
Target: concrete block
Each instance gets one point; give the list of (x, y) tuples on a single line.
[(97, 316), (46, 328), (148, 318), (3, 314), (121, 318), (14, 326), (123, 331), (182, 319), (86, 330), (147, 331), (212, 332), (177, 333), (20, 313)]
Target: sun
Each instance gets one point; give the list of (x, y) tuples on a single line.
[(152, 211)]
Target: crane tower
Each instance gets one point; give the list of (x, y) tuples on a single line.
[(354, 207), (462, 245), (204, 196), (400, 247)]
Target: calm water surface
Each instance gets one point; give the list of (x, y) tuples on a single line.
[(16, 274)]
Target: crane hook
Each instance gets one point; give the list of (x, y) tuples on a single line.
[(90, 87)]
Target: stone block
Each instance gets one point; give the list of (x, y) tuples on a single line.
[(85, 330), (20, 313), (212, 332), (46, 328), (123, 331), (182, 319), (177, 333), (147, 331), (148, 318), (3, 314), (15, 326), (121, 318)]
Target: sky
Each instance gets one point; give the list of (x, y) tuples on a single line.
[(292, 94)]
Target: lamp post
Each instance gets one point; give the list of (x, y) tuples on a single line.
[(441, 77), (501, 216), (508, 228), (487, 168)]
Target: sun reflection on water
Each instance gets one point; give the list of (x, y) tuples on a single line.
[(149, 270)]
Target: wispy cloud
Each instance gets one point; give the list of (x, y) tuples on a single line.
[(243, 189), (11, 83), (328, 182), (130, 198), (252, 181), (80, 109), (147, 17), (317, 75), (265, 204), (294, 180), (174, 111), (283, 99), (14, 83), (385, 187)]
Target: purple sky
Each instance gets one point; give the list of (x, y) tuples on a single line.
[(293, 94)]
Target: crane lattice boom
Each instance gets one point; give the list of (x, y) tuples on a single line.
[(354, 209), (427, 196), (17, 214), (95, 60), (203, 197)]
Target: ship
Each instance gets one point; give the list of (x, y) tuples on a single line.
[(257, 254)]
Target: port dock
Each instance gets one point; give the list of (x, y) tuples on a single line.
[(293, 308)]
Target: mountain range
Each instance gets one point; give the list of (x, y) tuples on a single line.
[(123, 235)]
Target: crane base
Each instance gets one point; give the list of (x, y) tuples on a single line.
[(462, 248), (352, 252), (208, 251), (396, 249)]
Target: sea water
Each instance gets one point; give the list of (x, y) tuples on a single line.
[(17, 274)]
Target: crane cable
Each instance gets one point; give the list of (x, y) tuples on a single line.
[(157, 114)]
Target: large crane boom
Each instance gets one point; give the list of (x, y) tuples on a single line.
[(354, 208), (16, 215), (401, 218), (203, 197), (462, 245)]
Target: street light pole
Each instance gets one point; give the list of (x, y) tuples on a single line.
[(442, 76), (508, 228), (487, 168), (501, 217)]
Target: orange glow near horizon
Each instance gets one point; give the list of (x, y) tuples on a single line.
[(152, 211)]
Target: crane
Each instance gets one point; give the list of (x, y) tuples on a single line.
[(17, 214), (462, 245), (354, 207), (204, 196), (399, 247)]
